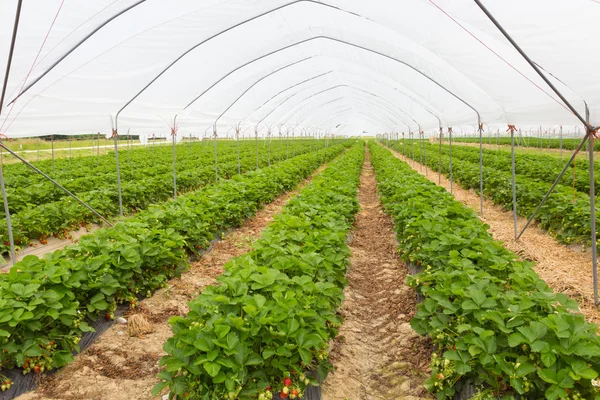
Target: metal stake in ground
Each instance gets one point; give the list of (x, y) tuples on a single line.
[(480, 166), (216, 160), (425, 155), (591, 134), (174, 161), (511, 128), (440, 159), (237, 135), (11, 241), (115, 136), (450, 143)]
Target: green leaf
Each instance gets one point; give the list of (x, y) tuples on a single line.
[(212, 368), (547, 375)]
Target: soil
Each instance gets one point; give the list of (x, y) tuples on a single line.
[(120, 367), (565, 269), (376, 355)]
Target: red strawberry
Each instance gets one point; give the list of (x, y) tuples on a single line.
[(283, 395), (287, 381), (36, 368)]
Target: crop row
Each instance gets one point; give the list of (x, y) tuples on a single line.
[(26, 188), (566, 215), (540, 167), (493, 322), (46, 304), (533, 142), (271, 316), (59, 217)]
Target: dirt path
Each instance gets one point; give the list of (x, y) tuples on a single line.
[(377, 355), (120, 367), (564, 269)]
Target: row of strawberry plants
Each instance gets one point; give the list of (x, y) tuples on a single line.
[(552, 143), (491, 319), (564, 215), (26, 188), (58, 218), (539, 167), (46, 303), (271, 316)]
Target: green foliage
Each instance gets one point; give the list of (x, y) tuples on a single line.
[(489, 315), (41, 210), (273, 311), (566, 215), (45, 303)]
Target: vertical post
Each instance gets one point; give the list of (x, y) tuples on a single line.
[(450, 143), (480, 166), (153, 142), (440, 159), (52, 141), (256, 141), (403, 145), (11, 240), (560, 142), (216, 159), (173, 160), (269, 145), (593, 217), (115, 136), (425, 155), (420, 150), (237, 135), (513, 177)]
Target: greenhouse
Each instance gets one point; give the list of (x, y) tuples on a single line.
[(318, 199)]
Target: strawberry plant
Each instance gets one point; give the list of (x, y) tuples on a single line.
[(273, 312), (47, 303), (492, 320)]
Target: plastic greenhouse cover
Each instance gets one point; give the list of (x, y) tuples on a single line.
[(333, 66)]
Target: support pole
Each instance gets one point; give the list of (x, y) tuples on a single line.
[(115, 136), (52, 144), (11, 240), (174, 161), (480, 166), (440, 159), (560, 141), (591, 134), (237, 135), (256, 141), (269, 145), (216, 159), (450, 143), (511, 128), (425, 155)]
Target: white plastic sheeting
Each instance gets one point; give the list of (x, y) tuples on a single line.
[(379, 65)]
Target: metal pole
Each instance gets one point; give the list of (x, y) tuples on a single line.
[(256, 141), (425, 148), (10, 53), (440, 159), (480, 167), (2, 145), (421, 150), (513, 178), (450, 143), (11, 240), (237, 134), (269, 145), (52, 141), (174, 161), (403, 145), (216, 159), (593, 220), (560, 141), (115, 137)]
